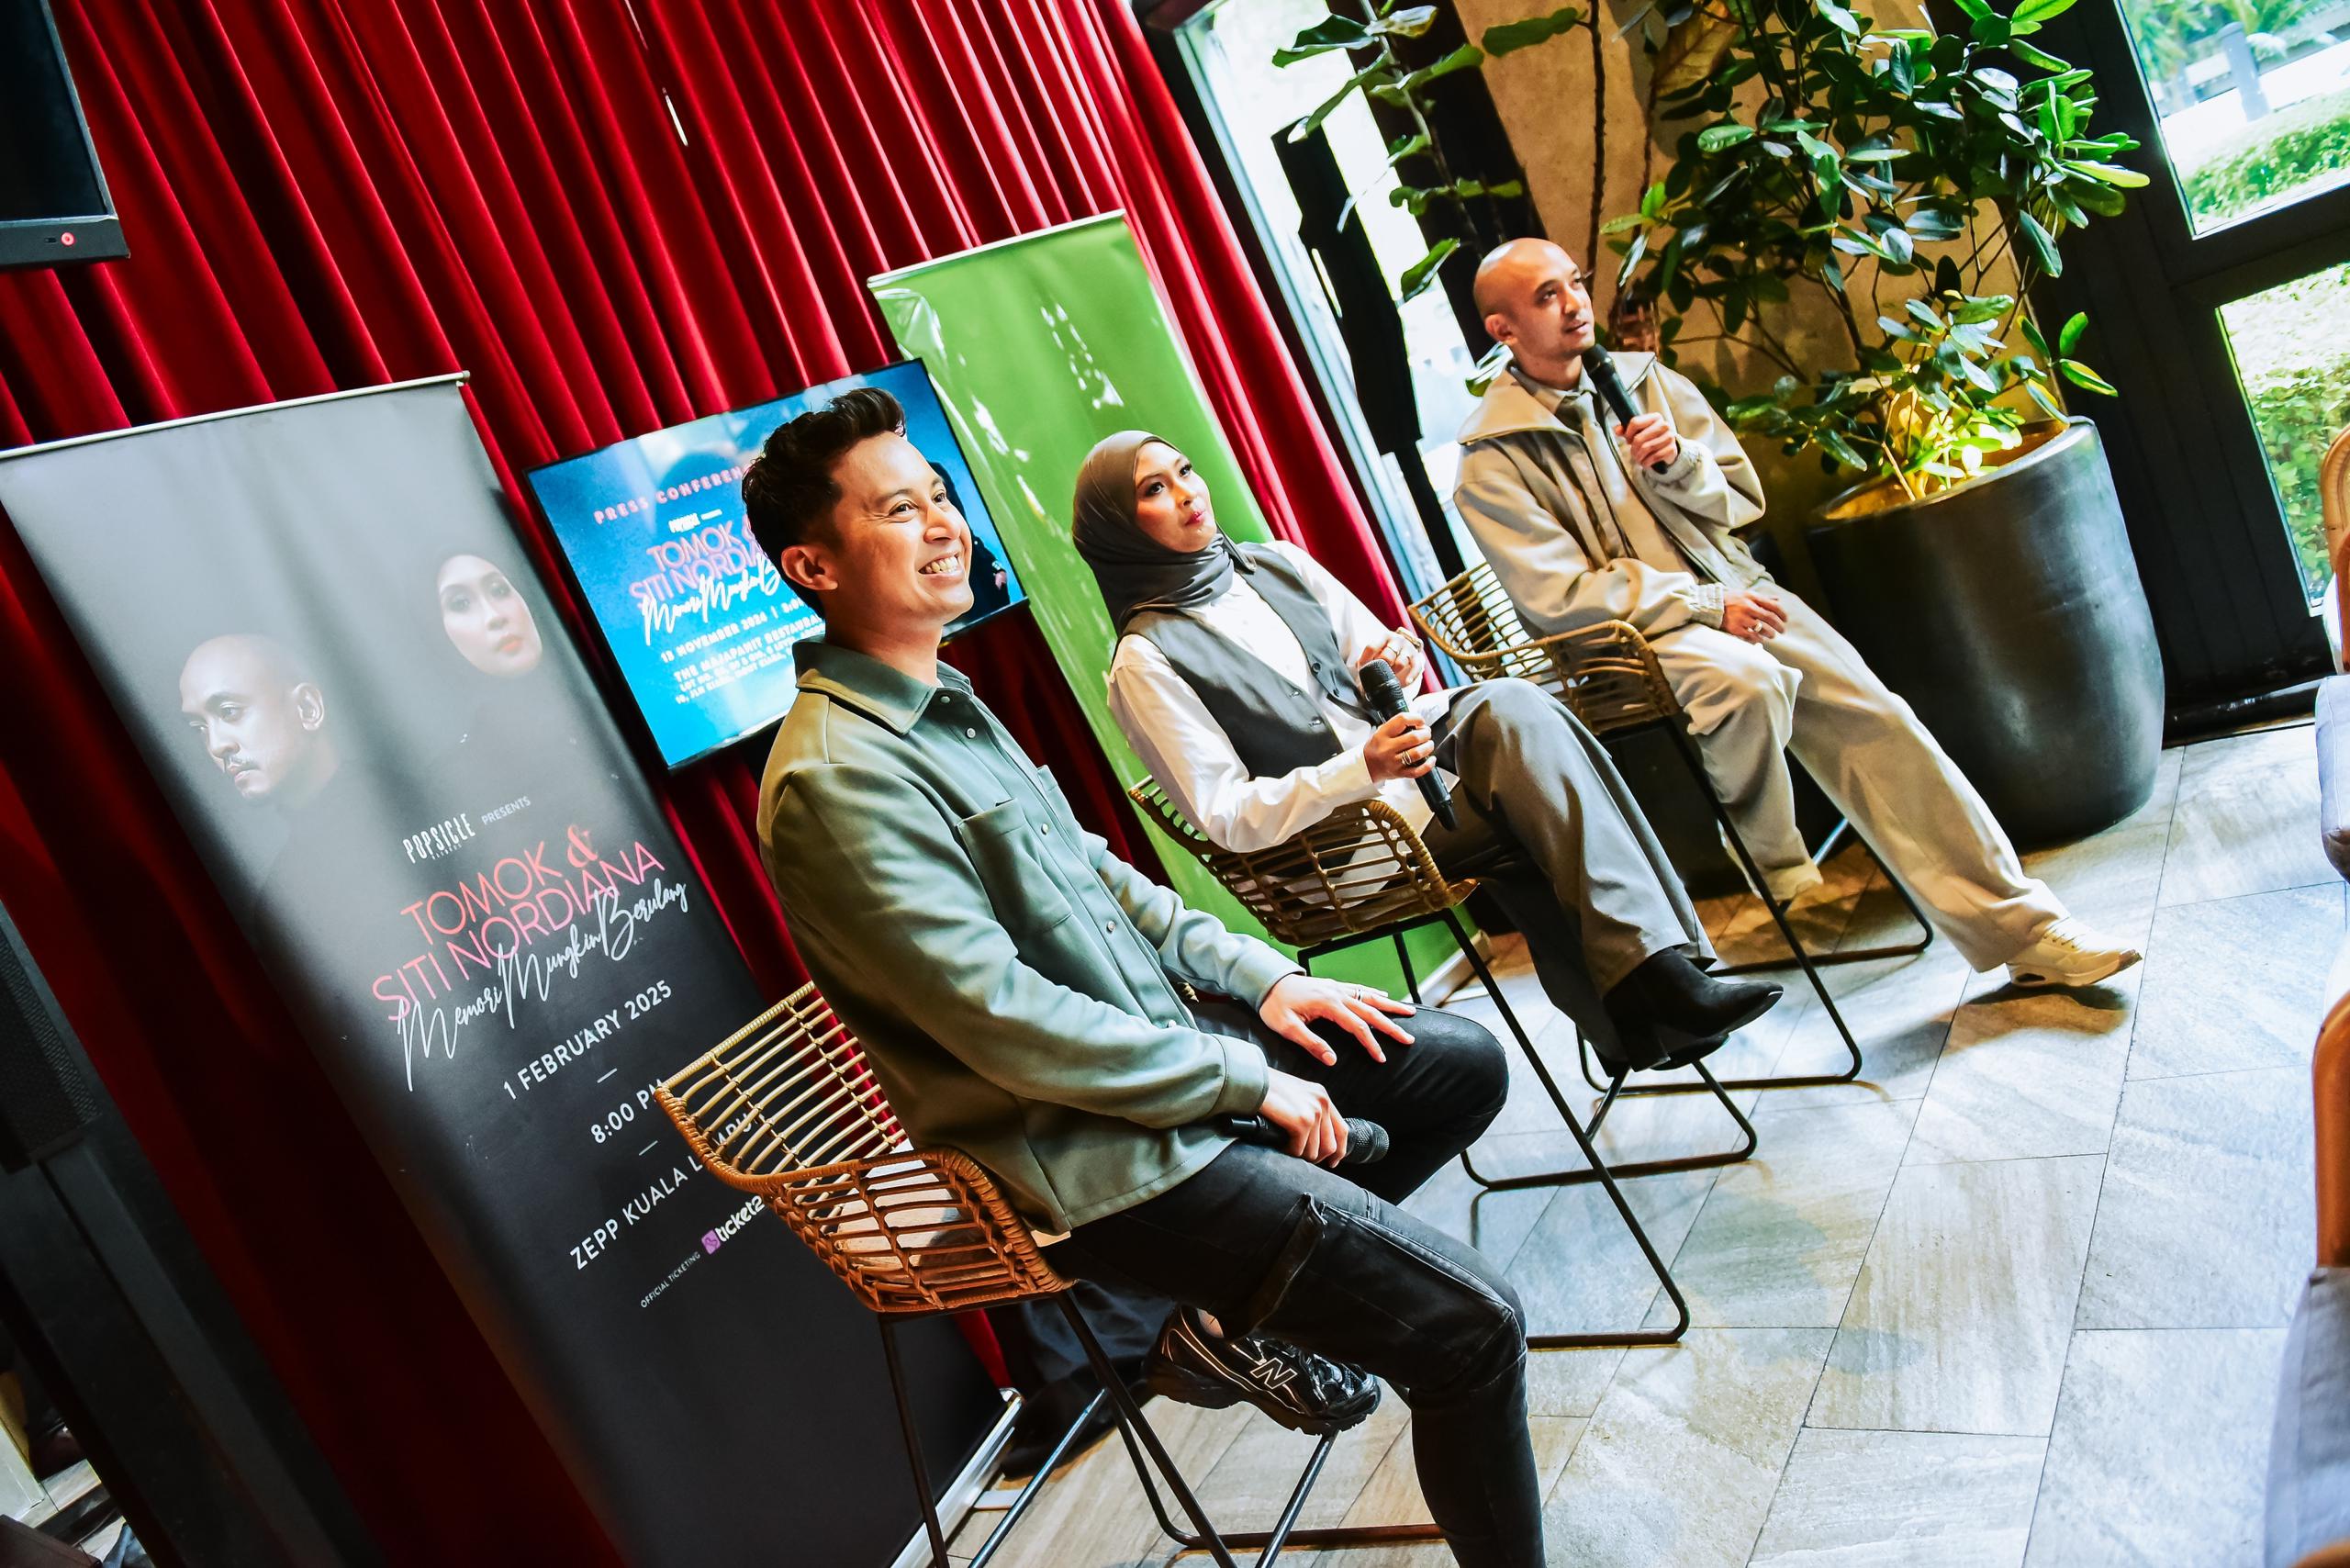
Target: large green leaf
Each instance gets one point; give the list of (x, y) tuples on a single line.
[(1715, 138), (1329, 33), (2108, 173), (2034, 12), (2041, 244), (1408, 23), (1511, 37), (2080, 375), (1329, 106), (1422, 273), (1463, 59), (2069, 337)]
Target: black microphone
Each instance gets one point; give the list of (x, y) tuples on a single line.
[(1610, 387), (1366, 1141), (1386, 695)]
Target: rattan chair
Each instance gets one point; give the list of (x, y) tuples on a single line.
[(787, 1109), (2333, 509), (1361, 874), (1608, 676)]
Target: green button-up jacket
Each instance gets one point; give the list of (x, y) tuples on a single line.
[(1013, 982)]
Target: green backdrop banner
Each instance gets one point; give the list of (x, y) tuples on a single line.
[(1040, 346)]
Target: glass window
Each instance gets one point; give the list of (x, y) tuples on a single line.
[(2292, 356)]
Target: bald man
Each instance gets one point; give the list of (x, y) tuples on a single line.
[(1585, 520), (263, 719)]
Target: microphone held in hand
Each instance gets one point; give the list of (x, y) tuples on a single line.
[(1366, 1141), (1610, 387), (1386, 695)]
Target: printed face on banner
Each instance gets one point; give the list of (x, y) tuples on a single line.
[(699, 620)]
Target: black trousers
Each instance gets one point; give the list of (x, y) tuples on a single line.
[(1325, 1260)]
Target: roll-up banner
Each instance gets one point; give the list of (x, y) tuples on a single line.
[(1039, 347), (321, 631)]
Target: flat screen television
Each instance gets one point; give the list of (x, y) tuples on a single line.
[(699, 621)]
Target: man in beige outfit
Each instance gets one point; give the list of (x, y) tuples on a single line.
[(1583, 526)]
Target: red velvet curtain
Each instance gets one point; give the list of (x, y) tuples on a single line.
[(617, 215)]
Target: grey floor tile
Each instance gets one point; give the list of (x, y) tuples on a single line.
[(1678, 1466), (2206, 1221), (1900, 1011), (1903, 1500), (2236, 982), (1782, 1237), (1579, 1271), (2160, 1454), (2028, 1074), (1569, 1382), (1961, 1316), (2247, 820), (2112, 878)]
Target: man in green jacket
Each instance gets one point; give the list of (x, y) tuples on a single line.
[(1026, 997)]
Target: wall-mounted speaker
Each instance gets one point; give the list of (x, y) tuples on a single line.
[(54, 208)]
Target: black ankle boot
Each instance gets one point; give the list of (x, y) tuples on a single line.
[(1672, 1002)]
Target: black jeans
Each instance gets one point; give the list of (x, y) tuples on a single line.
[(1327, 1261)]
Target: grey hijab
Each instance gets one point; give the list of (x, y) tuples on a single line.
[(1136, 572)]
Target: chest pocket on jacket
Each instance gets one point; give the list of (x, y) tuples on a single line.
[(1004, 850)]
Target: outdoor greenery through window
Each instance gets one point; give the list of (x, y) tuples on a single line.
[(2293, 356), (2253, 97)]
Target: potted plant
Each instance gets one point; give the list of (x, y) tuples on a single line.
[(1911, 187)]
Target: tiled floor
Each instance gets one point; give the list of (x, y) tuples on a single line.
[(2016, 1300)]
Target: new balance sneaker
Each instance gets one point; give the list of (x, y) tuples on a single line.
[(2069, 954), (1303, 1392)]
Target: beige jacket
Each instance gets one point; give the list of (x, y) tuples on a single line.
[(1575, 539)]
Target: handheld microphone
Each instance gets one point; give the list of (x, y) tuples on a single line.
[(1386, 695), (1366, 1141), (1610, 387)]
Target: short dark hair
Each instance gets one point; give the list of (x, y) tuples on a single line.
[(789, 489)]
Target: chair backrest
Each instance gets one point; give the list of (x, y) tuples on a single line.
[(788, 1108), (1606, 674), (2330, 1089), (1357, 871), (2334, 504)]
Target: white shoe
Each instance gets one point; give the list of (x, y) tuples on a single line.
[(2069, 954)]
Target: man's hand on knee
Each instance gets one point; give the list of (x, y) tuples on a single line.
[(1756, 617), (1297, 1002)]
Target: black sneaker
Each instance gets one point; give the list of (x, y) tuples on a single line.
[(1303, 1392)]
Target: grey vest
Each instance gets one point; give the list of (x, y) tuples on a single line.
[(1275, 726)]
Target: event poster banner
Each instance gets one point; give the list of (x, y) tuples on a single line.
[(1040, 346), (319, 625), (699, 621)]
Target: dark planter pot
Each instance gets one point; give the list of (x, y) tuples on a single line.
[(2008, 610)]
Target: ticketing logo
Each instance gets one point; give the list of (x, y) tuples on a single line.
[(711, 1240)]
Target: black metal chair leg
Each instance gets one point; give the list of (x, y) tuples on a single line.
[(1410, 976), (1598, 1172), (1688, 749), (1027, 1494), (1269, 1544), (913, 1445), (1639, 1166), (1851, 955), (1136, 1428)]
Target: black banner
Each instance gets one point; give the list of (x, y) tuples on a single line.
[(319, 625)]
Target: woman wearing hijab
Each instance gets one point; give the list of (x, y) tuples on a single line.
[(1233, 679)]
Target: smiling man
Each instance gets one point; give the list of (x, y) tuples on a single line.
[(1028, 998), (1585, 520)]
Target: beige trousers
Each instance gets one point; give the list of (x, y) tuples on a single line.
[(1807, 690)]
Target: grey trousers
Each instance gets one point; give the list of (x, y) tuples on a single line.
[(1807, 689), (1591, 890)]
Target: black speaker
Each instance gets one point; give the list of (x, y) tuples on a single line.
[(53, 203), (45, 1096)]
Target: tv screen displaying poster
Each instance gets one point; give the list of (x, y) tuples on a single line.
[(699, 620)]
